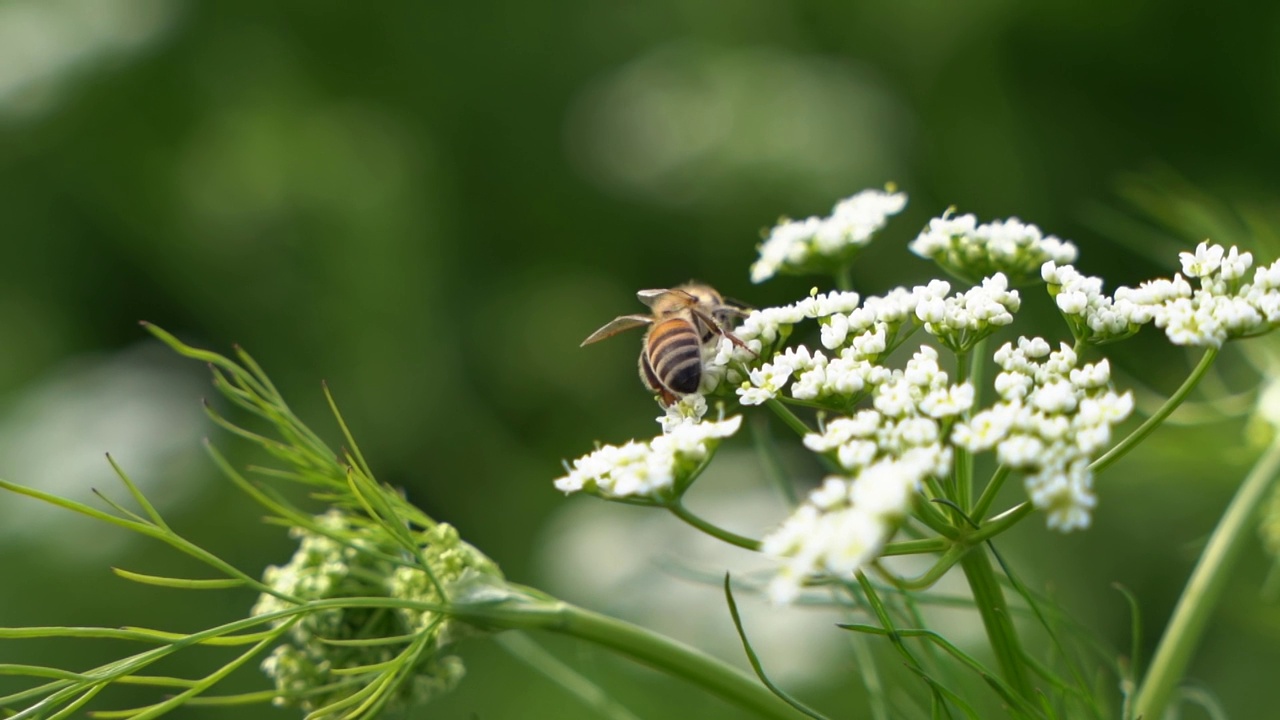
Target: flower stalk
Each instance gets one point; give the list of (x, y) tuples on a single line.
[(535, 611), (1205, 586)]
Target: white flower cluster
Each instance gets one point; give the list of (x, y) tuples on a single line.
[(766, 328), (1053, 418), (971, 251), (1091, 314), (821, 244), (885, 453), (1222, 308), (859, 334), (648, 469), (961, 320)]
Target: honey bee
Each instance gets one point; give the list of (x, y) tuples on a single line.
[(683, 320)]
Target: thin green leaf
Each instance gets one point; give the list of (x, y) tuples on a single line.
[(946, 694), (155, 711), (75, 705), (1135, 638), (346, 433), (162, 636), (1005, 692), (181, 583), (124, 512), (1072, 666), (40, 671), (137, 494), (755, 660)]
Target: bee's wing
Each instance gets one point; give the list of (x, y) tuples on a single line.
[(736, 307), (649, 297), (617, 325)]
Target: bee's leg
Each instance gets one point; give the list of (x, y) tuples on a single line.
[(719, 330)]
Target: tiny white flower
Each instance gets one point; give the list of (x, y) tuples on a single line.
[(1092, 376), (856, 454), (1013, 385), (1019, 451), (948, 401), (833, 492), (1066, 494), (834, 331), (894, 399), (688, 409), (985, 429), (765, 382), (1203, 262), (870, 343), (835, 302), (1055, 396)]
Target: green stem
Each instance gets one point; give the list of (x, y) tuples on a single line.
[(1205, 587), (989, 598), (844, 277), (1151, 423), (657, 651), (964, 459), (916, 547), (989, 492), (679, 510), (1000, 523), (931, 576), (539, 658), (788, 417)]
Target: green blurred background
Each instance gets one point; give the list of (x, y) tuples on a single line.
[(429, 205)]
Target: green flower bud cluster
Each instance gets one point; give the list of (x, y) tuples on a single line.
[(335, 652)]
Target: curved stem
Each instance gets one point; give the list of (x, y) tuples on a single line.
[(930, 576), (643, 645), (678, 509), (1151, 423), (1205, 587), (1001, 522)]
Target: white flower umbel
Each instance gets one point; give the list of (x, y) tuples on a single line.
[(1224, 307), (1092, 316), (819, 245), (651, 468), (971, 251), (1052, 419), (962, 320), (885, 453), (880, 323)]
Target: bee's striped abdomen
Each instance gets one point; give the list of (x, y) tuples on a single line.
[(675, 354)]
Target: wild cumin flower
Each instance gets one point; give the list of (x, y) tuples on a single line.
[(1054, 416), (652, 468), (1224, 307), (885, 454), (967, 250), (816, 245)]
